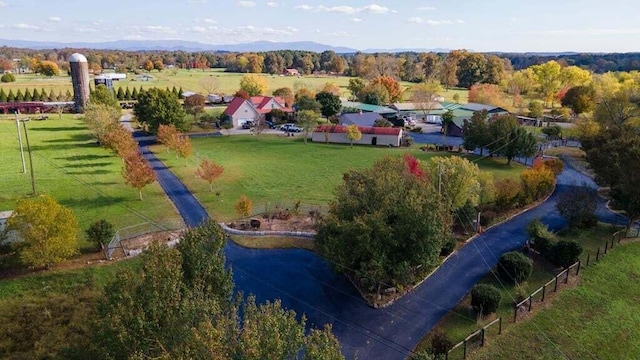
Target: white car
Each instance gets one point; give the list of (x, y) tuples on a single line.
[(290, 128)]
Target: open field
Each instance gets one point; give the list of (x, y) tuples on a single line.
[(276, 169), (71, 167), (191, 80), (461, 321), (596, 320)]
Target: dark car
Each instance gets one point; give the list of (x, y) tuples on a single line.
[(248, 125), (270, 124)]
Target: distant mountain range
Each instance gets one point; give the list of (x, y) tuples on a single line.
[(175, 45)]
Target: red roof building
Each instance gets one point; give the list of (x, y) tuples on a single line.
[(380, 136)]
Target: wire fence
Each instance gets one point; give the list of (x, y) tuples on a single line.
[(130, 232)]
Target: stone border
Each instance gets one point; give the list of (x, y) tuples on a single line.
[(297, 234)]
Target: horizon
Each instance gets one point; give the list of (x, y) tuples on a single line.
[(499, 26)]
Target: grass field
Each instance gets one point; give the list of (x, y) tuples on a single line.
[(71, 167), (191, 80), (276, 169), (597, 320), (460, 322)]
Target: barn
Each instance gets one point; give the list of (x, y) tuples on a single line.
[(337, 134)]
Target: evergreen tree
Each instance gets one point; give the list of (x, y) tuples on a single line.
[(3, 96), (27, 95), (134, 94), (68, 96), (43, 95), (180, 93), (174, 91), (11, 97), (127, 94), (120, 94), (140, 91), (19, 95), (52, 96), (36, 95)]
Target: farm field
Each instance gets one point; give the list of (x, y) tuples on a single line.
[(191, 80), (71, 167), (276, 170)]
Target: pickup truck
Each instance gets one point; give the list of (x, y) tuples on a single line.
[(290, 128)]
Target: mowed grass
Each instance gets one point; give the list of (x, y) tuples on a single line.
[(597, 320), (191, 80), (71, 167), (277, 170)]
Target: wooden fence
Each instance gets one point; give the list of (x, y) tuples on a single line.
[(477, 338)]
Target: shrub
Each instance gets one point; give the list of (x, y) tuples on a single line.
[(552, 131), (541, 236), (565, 253), (515, 266), (440, 343), (487, 217), (485, 298), (448, 246), (507, 192), (100, 233), (7, 78), (521, 292), (536, 182), (555, 165), (578, 206)]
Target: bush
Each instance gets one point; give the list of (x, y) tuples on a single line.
[(448, 246), (7, 78), (578, 206), (555, 165), (542, 238), (485, 298), (507, 192), (100, 233), (552, 131), (440, 343), (487, 217), (515, 266), (536, 182), (565, 253)]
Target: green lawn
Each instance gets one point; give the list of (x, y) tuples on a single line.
[(597, 320), (71, 167), (277, 169), (191, 80)]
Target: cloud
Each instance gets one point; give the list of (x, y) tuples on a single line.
[(198, 1), (23, 26), (588, 32), (272, 4), (345, 9), (355, 19), (246, 4), (419, 20), (198, 29), (210, 21), (153, 29), (85, 30), (3, 4), (54, 19), (426, 8), (338, 34)]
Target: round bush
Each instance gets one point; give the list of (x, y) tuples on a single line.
[(448, 247), (565, 253), (440, 343), (515, 266), (485, 298), (8, 77)]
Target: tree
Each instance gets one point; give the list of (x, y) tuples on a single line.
[(148, 65), (330, 104), (386, 224), (514, 266), (158, 65), (424, 95), (119, 140), (535, 109), (374, 94), (244, 206), (7, 78), (157, 107), (547, 79), (392, 85), (194, 105), (209, 171), (168, 135), (102, 95), (48, 68), (353, 133), (580, 99), (537, 182), (331, 88), (183, 148), (100, 118), (137, 172), (309, 120), (485, 298), (3, 96), (616, 110), (355, 86), (100, 233), (509, 139), (306, 102), (476, 133), (253, 84), (285, 93), (578, 206), (456, 179), (209, 84), (614, 156), (471, 69), (489, 94), (49, 231)]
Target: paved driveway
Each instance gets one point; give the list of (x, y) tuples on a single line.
[(307, 284)]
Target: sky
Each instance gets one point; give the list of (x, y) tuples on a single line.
[(479, 25)]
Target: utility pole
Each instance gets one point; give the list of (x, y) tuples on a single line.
[(26, 136), (24, 166)]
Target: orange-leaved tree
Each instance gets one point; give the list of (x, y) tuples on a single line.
[(119, 140), (167, 135), (137, 172), (244, 206), (209, 170), (392, 85), (183, 148)]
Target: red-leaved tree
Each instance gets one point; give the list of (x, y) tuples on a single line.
[(168, 135), (137, 172), (209, 171)]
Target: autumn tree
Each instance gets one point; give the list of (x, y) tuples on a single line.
[(168, 135), (183, 148), (353, 133), (425, 94), (536, 110), (158, 65), (547, 80), (489, 94), (244, 206), (392, 85), (148, 65), (330, 104), (374, 94), (210, 84), (308, 119), (194, 105), (618, 110), (209, 171), (156, 106), (356, 85), (49, 231), (100, 118), (254, 84), (285, 93), (137, 172), (48, 68), (386, 225), (456, 179), (580, 99)]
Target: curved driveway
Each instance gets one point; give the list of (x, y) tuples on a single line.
[(306, 283)]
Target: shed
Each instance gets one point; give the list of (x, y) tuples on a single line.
[(379, 136), (360, 119), (479, 107)]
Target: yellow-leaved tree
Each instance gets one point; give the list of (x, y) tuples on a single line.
[(244, 206), (48, 229), (353, 133)]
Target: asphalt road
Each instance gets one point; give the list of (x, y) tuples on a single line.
[(307, 284)]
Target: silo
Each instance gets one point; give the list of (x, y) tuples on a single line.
[(80, 80)]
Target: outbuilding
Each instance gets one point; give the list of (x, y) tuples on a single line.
[(377, 136)]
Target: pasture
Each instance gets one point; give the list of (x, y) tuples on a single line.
[(192, 80), (70, 166), (275, 169)]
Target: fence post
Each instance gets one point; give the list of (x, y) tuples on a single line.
[(566, 279), (598, 254), (588, 256), (515, 313), (578, 269), (555, 287), (482, 339), (464, 349), (612, 242), (606, 245), (544, 290), (500, 326), (530, 301)]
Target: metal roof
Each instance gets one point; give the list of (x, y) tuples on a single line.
[(409, 106), (368, 107)]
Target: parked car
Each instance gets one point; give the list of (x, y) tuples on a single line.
[(248, 125), (290, 128), (270, 124)]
